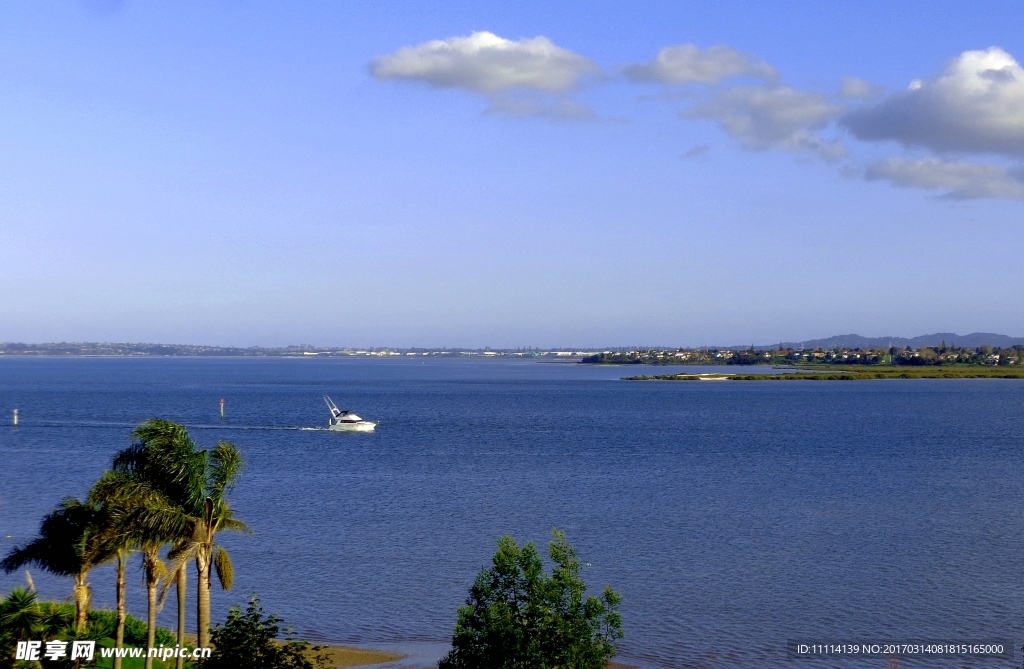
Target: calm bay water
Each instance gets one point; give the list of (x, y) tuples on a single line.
[(732, 516)]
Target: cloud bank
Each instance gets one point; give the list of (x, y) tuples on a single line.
[(687, 63), (772, 116), (960, 180), (759, 117), (486, 63), (976, 106), (858, 89)]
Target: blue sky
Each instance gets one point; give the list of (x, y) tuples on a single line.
[(508, 174)]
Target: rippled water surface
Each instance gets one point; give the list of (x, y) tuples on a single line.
[(732, 516)]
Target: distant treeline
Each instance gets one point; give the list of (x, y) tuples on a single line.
[(924, 356)]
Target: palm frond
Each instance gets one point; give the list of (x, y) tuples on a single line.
[(163, 434), (21, 615), (152, 524), (66, 541), (54, 618), (177, 559), (108, 543), (33, 552), (166, 456), (117, 489), (170, 579), (225, 466), (132, 459), (233, 524)]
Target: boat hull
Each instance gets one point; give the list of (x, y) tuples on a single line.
[(361, 426)]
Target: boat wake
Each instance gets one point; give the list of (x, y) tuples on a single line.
[(119, 426)]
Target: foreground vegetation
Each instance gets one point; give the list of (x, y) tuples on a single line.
[(249, 639), (519, 616), (166, 499), (161, 492), (849, 373), (23, 618)]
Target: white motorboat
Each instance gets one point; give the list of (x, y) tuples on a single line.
[(346, 421)]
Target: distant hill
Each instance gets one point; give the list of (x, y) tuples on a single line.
[(972, 340)]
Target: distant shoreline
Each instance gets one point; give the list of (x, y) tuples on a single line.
[(94, 350), (851, 374)]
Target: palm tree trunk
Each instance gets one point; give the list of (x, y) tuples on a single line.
[(122, 564), (203, 599), (152, 578), (81, 601), (179, 663)]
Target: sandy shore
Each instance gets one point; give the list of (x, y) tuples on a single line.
[(349, 656), (346, 656)]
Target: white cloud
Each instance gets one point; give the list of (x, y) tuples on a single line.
[(772, 116), (976, 106), (960, 180), (858, 89), (699, 151), (558, 108), (687, 63), (486, 63)]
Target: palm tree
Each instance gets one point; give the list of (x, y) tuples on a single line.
[(222, 468), (181, 583), (68, 545), (123, 552), (124, 494), (158, 473), (186, 488)]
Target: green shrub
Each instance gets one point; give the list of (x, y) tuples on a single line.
[(103, 624), (519, 616), (249, 640)]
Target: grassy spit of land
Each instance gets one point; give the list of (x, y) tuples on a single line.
[(854, 373)]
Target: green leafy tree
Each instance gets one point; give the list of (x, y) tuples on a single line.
[(248, 639), (519, 617)]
